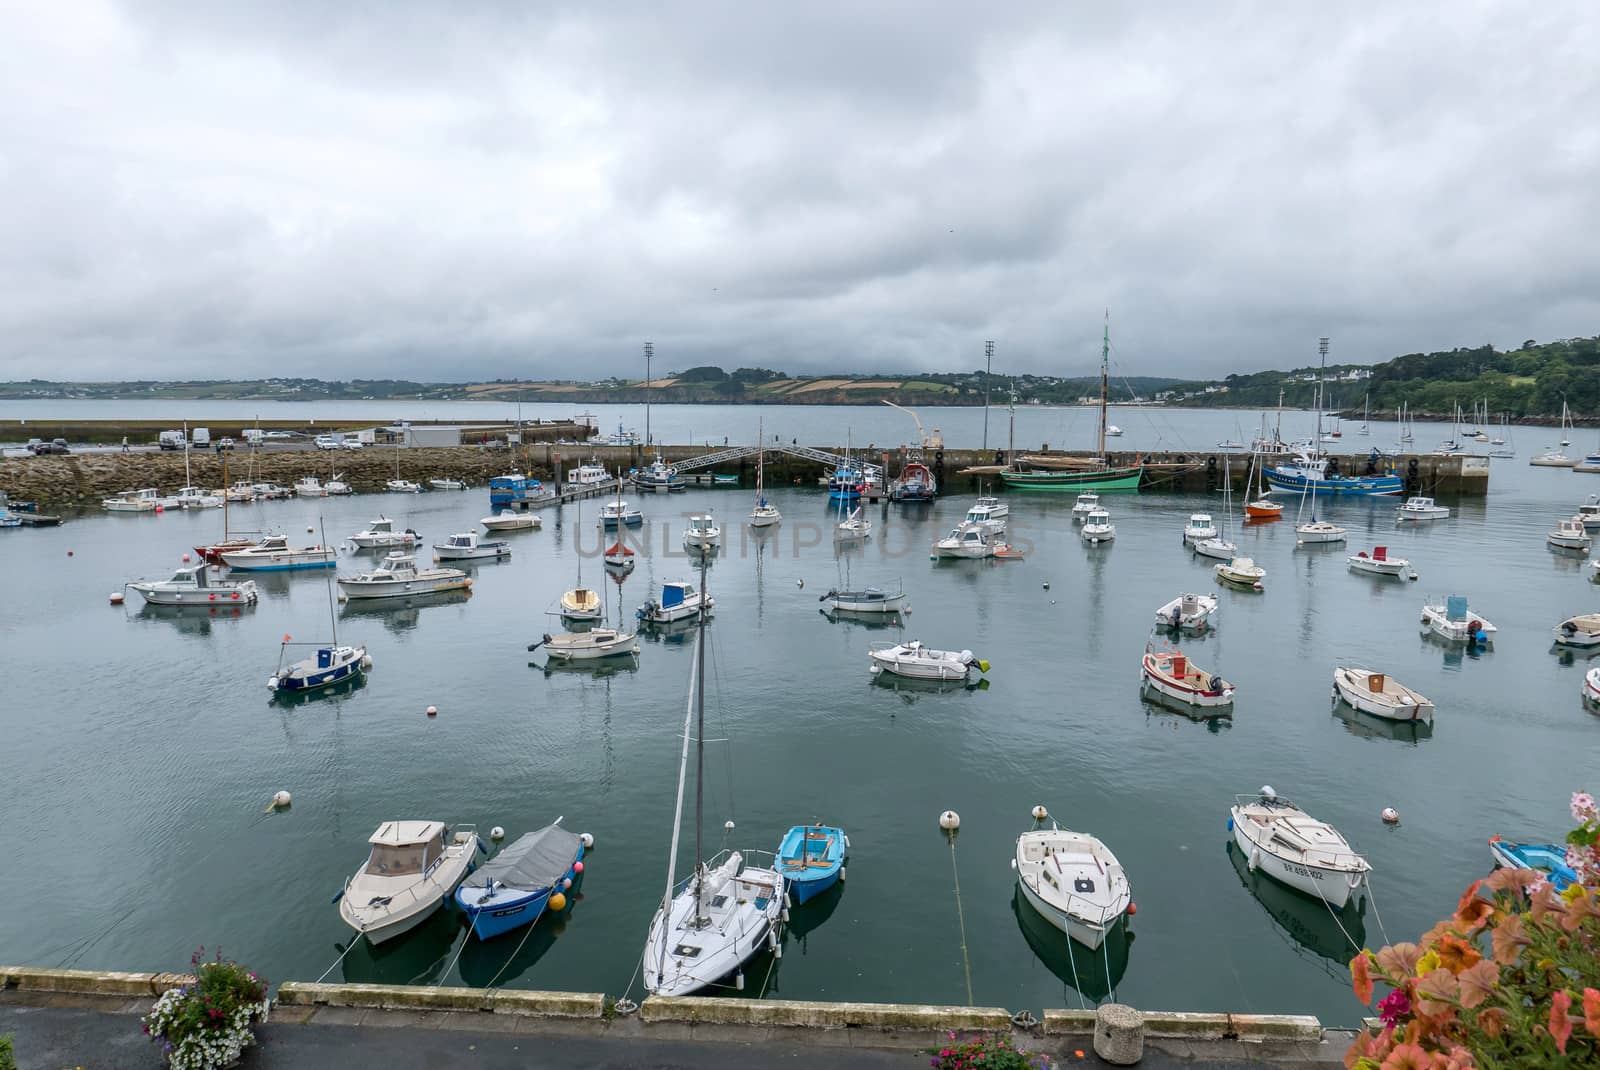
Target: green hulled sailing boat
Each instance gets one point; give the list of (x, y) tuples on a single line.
[(1076, 480)]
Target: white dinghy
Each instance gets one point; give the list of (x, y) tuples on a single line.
[(1579, 631), (1379, 563), (1242, 571), (922, 663), (1292, 847), (1380, 695), (1073, 881), (1189, 612), (1451, 620), (413, 867), (510, 520)]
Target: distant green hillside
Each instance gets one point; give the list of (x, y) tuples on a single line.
[(1529, 381)]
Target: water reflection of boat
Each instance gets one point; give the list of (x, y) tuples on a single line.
[(863, 620), (420, 958), (910, 687), (191, 620), (498, 961), (678, 631), (1364, 724), (804, 919), (601, 669), (348, 686), (1094, 974), (1335, 936), (1160, 703), (383, 608)]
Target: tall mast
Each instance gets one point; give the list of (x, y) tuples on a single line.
[(1011, 434), (649, 351), (700, 743), (333, 616), (1105, 373), (1322, 348), (677, 818), (988, 370), (224, 498)]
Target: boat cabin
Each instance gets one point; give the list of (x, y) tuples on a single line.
[(967, 535), (396, 566), (405, 848), (466, 541), (675, 594), (1418, 505)]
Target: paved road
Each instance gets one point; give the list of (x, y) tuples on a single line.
[(74, 1036)]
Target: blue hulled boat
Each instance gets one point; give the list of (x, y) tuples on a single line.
[(514, 489), (1311, 475), (811, 859), (514, 887), (845, 484), (659, 476), (1550, 858)]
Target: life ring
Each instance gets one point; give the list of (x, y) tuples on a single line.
[(999, 456), (938, 456), (1211, 464), (1411, 466)]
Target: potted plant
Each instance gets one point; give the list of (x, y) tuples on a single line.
[(1511, 979), (207, 1023)]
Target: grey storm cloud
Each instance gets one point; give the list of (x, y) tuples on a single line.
[(460, 191)]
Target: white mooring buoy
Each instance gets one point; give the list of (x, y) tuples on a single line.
[(497, 834), (1040, 813), (280, 800), (1391, 816), (433, 711), (587, 838), (116, 598), (949, 820)]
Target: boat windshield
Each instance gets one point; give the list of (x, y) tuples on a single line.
[(402, 861)]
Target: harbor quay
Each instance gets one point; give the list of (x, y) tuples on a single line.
[(83, 480), (89, 1018)]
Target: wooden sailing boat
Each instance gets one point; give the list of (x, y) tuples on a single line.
[(1102, 478), (727, 912), (618, 555), (1259, 507), (581, 603)]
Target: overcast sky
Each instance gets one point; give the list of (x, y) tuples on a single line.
[(453, 191)]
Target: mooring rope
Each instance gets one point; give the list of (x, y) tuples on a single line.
[(340, 959), (966, 964), (1378, 917)]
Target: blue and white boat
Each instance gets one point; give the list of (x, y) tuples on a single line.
[(514, 489), (1549, 858), (1310, 475), (660, 477), (274, 554), (811, 859), (515, 887), (845, 484), (678, 601), (330, 665)]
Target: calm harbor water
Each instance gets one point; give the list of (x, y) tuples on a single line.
[(141, 747)]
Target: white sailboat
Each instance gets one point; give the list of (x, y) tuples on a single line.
[(1218, 545), (1366, 414), (1556, 456), (713, 923), (580, 603), (1314, 530), (763, 514)]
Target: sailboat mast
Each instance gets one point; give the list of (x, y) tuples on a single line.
[(677, 813), (224, 495), (700, 743), (649, 351), (1322, 348), (1105, 375), (333, 617), (1011, 432)]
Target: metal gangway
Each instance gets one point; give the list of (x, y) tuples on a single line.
[(872, 472)]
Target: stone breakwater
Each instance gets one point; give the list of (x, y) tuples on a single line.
[(83, 480)]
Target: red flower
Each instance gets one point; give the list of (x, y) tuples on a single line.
[(1473, 910), (1408, 1057), (1361, 978), (1591, 1011), (1560, 1025)]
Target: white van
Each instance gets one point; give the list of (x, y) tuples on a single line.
[(171, 440)]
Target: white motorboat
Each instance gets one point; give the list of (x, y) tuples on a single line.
[(1188, 612), (1589, 513), (1073, 881), (466, 546), (412, 868), (983, 515), (1379, 563), (678, 601), (511, 520), (193, 586), (1294, 848), (1569, 535), (1380, 695), (271, 492), (1451, 620), (922, 663), (399, 577), (1241, 570), (1086, 503), (1579, 631), (274, 554), (402, 486), (1216, 547), (331, 664), (620, 513), (198, 498), (856, 526), (702, 534), (309, 487), (864, 600), (1113, 431), (1199, 528), (380, 535), (1172, 674), (336, 486), (589, 475), (133, 501), (1418, 508), (1097, 527), (448, 484), (591, 645), (965, 540)]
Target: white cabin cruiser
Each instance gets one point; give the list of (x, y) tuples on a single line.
[(989, 514), (412, 868), (702, 534), (1086, 503), (1418, 508), (466, 546), (1579, 631), (1452, 621), (399, 577), (1589, 513), (511, 520), (1073, 881), (402, 486), (309, 487), (132, 501), (965, 540), (1570, 535), (274, 554), (591, 645), (1380, 695), (1379, 563), (193, 586), (619, 512), (380, 534), (589, 475), (1097, 527), (1188, 612), (917, 661), (1294, 848), (678, 601), (1199, 528)]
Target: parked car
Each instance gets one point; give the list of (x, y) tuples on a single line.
[(57, 446), (352, 443), (224, 443), (277, 435), (328, 442)]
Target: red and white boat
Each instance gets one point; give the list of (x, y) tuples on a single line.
[(1172, 674), (1591, 689)]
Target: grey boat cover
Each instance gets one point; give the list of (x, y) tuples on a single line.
[(534, 860)]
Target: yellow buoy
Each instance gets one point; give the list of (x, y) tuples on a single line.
[(558, 902)]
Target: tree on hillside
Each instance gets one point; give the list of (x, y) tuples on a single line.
[(758, 375), (706, 373)]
